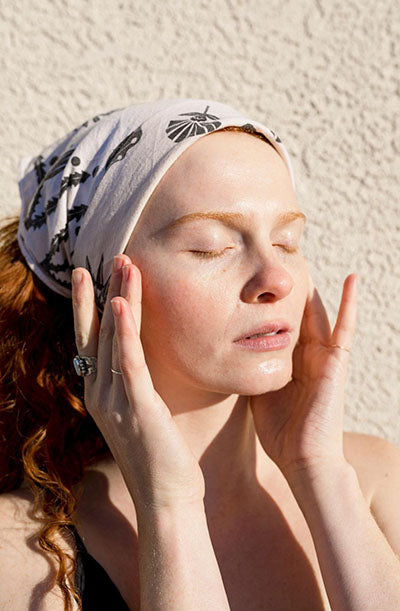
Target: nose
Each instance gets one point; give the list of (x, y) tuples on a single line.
[(270, 281)]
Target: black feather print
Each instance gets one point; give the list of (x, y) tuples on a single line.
[(119, 153)]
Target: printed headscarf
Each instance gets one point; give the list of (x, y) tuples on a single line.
[(83, 195)]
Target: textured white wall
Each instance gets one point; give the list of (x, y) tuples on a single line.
[(324, 74)]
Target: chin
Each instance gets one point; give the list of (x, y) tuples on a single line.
[(267, 376), (272, 374)]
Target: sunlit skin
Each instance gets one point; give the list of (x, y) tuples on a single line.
[(194, 307), (249, 419)]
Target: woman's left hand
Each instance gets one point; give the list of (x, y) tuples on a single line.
[(300, 426)]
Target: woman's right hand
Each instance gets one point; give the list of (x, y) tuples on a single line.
[(158, 467)]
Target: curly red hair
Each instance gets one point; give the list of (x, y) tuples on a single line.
[(47, 436)]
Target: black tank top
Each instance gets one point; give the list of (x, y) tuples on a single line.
[(97, 590)]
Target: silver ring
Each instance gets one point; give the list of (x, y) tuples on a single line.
[(341, 347), (85, 365)]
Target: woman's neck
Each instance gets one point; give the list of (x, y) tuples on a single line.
[(223, 440)]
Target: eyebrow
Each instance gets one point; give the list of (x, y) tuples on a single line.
[(232, 219)]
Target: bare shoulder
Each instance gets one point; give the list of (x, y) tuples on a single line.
[(368, 455), (382, 476), (25, 571)]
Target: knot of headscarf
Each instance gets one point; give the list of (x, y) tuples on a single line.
[(83, 195)]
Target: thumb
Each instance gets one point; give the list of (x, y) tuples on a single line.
[(311, 286)]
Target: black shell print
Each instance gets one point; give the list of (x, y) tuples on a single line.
[(198, 123)]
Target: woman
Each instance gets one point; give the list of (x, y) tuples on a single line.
[(185, 466)]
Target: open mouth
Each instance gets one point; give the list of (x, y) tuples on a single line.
[(264, 334)]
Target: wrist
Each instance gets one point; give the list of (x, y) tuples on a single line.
[(321, 474), (157, 515)]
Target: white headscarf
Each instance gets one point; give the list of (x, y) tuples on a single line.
[(83, 195)]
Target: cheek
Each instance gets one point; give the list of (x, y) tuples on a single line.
[(180, 313), (187, 316), (302, 282), (300, 291)]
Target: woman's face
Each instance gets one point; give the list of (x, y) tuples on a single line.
[(195, 305)]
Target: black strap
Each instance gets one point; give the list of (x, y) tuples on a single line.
[(94, 585)]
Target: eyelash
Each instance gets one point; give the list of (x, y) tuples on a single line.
[(209, 254)]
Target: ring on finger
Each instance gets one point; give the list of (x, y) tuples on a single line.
[(341, 347), (86, 365), (115, 371)]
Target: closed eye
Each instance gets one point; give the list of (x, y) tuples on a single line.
[(210, 254)]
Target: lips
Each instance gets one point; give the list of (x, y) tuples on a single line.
[(273, 325)]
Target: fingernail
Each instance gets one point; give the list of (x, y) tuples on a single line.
[(77, 276), (117, 263), (126, 273), (116, 307)]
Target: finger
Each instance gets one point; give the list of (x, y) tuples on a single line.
[(86, 320), (311, 285), (315, 324), (138, 384), (115, 359), (131, 290), (106, 357), (343, 332)]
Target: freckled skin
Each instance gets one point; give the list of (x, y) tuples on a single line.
[(193, 308)]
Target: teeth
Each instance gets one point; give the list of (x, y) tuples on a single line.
[(263, 334)]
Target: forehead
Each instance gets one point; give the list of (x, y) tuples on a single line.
[(222, 159), (226, 170)]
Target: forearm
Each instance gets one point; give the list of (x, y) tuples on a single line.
[(177, 563), (360, 570)]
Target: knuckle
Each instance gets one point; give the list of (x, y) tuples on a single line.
[(106, 332), (129, 366), (346, 327), (81, 339), (125, 364), (94, 400), (140, 366), (133, 371), (124, 335), (77, 300)]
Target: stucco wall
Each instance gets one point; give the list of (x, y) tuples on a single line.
[(324, 74)]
